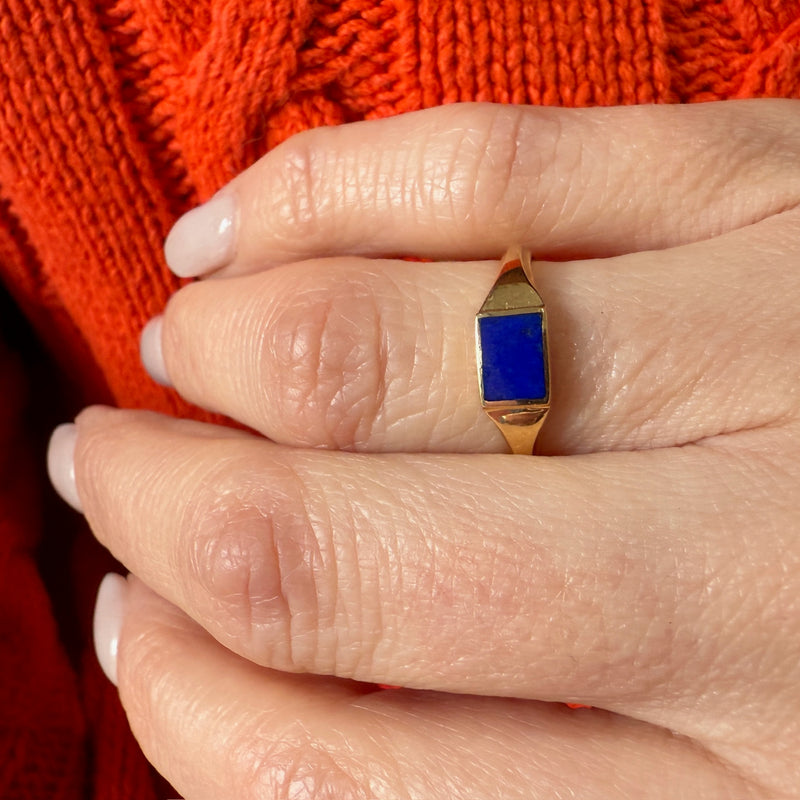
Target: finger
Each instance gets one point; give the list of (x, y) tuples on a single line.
[(647, 350), (465, 181), (609, 579), (217, 726)]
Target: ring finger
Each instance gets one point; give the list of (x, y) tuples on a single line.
[(648, 350)]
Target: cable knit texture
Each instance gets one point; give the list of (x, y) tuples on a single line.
[(118, 115)]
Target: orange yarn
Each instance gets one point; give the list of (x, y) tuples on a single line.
[(115, 122)]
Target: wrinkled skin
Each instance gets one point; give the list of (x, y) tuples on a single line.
[(371, 528)]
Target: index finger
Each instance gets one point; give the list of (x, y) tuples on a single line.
[(465, 181)]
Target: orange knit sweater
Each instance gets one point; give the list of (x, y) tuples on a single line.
[(116, 116)]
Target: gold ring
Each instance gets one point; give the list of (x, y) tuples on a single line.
[(511, 348)]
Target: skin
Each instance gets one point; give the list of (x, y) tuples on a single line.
[(369, 527)]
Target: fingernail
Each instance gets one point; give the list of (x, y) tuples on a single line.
[(61, 463), (203, 239), (109, 611), (150, 351)]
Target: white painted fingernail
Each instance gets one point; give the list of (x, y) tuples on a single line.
[(151, 353), (61, 463), (109, 612), (203, 239)]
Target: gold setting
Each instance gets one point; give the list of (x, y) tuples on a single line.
[(513, 293)]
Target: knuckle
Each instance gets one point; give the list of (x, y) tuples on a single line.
[(502, 175), (295, 768), (485, 162), (328, 363), (489, 168), (231, 559), (254, 560), (298, 198)]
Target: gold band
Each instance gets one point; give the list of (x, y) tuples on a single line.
[(512, 354)]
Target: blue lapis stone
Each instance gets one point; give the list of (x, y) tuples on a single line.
[(512, 357)]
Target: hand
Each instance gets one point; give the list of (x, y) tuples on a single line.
[(650, 567)]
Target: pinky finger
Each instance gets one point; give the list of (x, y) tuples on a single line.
[(218, 727)]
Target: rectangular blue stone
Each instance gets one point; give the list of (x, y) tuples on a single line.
[(512, 357)]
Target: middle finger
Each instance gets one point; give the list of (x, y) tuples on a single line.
[(611, 579)]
